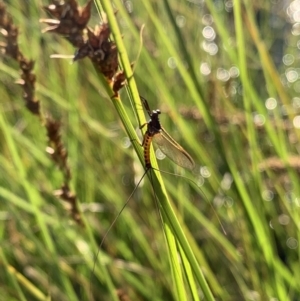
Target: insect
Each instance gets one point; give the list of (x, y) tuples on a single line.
[(156, 133)]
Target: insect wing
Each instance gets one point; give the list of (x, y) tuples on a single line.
[(173, 150)]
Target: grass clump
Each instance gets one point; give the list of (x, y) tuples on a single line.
[(214, 72)]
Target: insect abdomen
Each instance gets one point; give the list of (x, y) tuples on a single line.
[(147, 144)]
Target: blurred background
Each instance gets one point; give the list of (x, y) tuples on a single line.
[(225, 76)]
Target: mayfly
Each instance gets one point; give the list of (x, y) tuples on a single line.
[(156, 133)]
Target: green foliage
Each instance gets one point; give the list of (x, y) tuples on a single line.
[(214, 72)]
